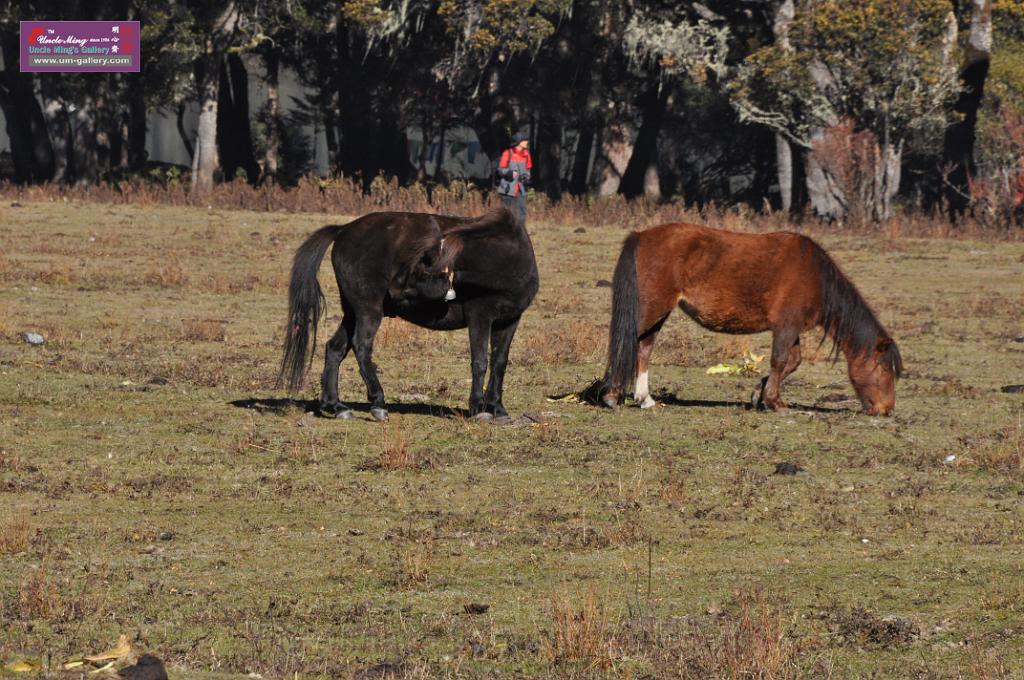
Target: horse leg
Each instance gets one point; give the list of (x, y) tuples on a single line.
[(479, 337), (642, 391), (501, 340), (365, 331), (795, 357), (337, 349), (785, 358)]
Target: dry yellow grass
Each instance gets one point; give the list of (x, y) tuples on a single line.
[(15, 531)]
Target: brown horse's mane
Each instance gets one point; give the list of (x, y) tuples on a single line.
[(846, 316)]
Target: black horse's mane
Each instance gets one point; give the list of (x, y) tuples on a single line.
[(846, 315), (494, 222)]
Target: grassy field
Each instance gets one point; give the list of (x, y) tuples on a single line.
[(154, 483)]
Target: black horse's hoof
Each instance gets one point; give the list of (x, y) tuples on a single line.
[(379, 414), (484, 417), (337, 411)]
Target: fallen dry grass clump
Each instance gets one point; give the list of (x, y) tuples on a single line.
[(204, 330), (15, 532), (167, 273), (750, 641), (1002, 451), (861, 627), (750, 638)]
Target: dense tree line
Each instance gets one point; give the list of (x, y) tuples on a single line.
[(846, 107)]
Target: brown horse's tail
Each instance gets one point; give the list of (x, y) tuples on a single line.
[(305, 306), (623, 333)]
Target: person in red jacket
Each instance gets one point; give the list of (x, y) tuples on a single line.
[(514, 174)]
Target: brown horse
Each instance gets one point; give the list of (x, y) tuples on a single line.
[(733, 282)]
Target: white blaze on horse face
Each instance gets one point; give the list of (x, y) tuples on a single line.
[(450, 295), (642, 393)]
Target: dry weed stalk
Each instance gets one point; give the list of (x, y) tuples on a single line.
[(580, 632), (395, 452), (39, 597), (416, 562)]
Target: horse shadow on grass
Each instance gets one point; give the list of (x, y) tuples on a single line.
[(279, 406), (669, 399)]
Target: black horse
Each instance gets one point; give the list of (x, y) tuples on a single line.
[(406, 265)]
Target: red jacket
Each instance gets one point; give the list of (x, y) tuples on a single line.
[(514, 160)]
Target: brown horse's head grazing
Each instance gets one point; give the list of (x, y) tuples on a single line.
[(873, 359), (874, 373)]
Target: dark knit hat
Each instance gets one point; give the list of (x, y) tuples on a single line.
[(519, 137)]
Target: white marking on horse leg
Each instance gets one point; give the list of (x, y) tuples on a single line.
[(642, 393)]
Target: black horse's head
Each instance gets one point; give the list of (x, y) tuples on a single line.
[(432, 274)]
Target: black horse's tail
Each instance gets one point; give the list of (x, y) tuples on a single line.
[(305, 306), (623, 334)]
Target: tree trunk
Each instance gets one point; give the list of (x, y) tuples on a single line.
[(58, 124), (104, 126), (579, 183), (119, 125), (439, 162), (186, 139), (616, 149), (31, 151), (136, 124), (492, 120), (84, 135), (891, 164), (426, 135), (784, 163), (548, 156), (204, 158), (271, 60), (958, 150), (887, 174), (644, 159), (234, 135), (783, 152), (825, 194)]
